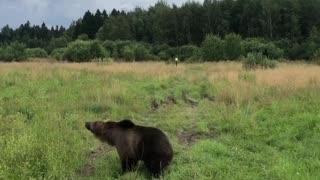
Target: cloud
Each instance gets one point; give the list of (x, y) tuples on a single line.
[(62, 12)]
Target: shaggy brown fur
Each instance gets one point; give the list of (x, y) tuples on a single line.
[(135, 143)]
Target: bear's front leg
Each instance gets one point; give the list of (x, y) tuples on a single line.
[(128, 164)]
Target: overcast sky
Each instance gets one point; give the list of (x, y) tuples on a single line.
[(62, 12)]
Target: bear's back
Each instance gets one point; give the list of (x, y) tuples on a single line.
[(154, 142)]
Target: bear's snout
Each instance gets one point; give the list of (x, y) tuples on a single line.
[(88, 125)]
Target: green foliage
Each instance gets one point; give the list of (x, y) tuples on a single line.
[(316, 55), (97, 50), (110, 47), (80, 51), (55, 43), (141, 53), (164, 55), (259, 46), (296, 51), (115, 28), (118, 52), (128, 53), (158, 48), (233, 48), (128, 50), (14, 52), (293, 21), (212, 48), (187, 52), (36, 53), (172, 30), (258, 60), (83, 37), (58, 53)]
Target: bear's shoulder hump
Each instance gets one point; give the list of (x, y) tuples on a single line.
[(126, 123)]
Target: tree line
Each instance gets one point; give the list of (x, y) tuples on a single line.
[(291, 27)]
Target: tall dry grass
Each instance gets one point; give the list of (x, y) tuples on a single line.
[(287, 75)]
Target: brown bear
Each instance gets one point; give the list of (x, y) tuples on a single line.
[(134, 143)]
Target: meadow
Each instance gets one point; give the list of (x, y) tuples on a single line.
[(223, 122)]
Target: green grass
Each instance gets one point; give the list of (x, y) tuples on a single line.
[(217, 131)]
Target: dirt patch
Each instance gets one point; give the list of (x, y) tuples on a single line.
[(189, 101), (89, 168), (189, 137), (155, 105)]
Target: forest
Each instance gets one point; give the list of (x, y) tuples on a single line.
[(210, 31)]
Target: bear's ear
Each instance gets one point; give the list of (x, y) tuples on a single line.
[(126, 124)]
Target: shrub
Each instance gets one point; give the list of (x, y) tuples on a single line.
[(172, 52), (233, 48), (258, 60), (36, 53), (296, 51), (14, 52), (188, 51), (212, 48), (128, 53), (163, 55), (97, 50), (56, 43), (120, 45), (83, 37), (80, 51), (158, 48), (58, 53), (285, 45), (310, 49), (259, 46), (316, 55), (153, 57), (110, 47), (141, 52)]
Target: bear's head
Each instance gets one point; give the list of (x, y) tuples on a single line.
[(108, 131), (104, 131)]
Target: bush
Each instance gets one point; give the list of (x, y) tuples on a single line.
[(97, 50), (296, 51), (120, 45), (36, 53), (284, 44), (212, 48), (14, 52), (158, 48), (81, 51), (123, 50), (316, 55), (83, 37), (128, 53), (258, 46), (110, 47), (258, 60), (163, 55), (233, 48), (188, 51), (141, 53), (56, 43), (58, 53), (309, 49)]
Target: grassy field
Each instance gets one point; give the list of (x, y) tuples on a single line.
[(223, 122)]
